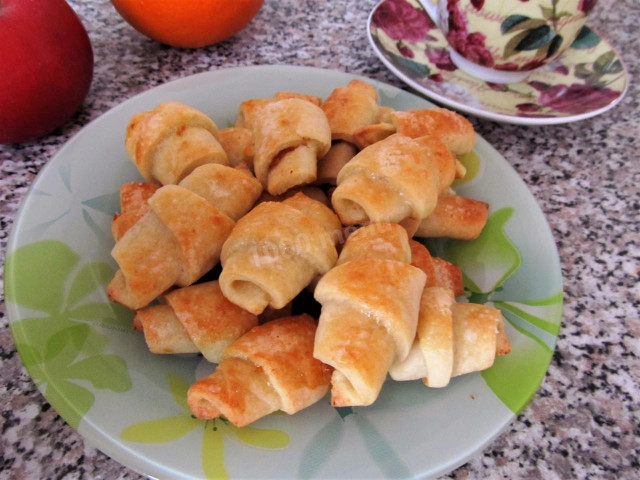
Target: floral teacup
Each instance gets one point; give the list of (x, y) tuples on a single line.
[(503, 41)]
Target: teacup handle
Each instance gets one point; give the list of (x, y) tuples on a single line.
[(431, 9)]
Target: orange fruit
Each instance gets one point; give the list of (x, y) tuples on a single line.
[(194, 23)]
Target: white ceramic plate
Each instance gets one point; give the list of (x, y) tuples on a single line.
[(98, 374), (587, 80)]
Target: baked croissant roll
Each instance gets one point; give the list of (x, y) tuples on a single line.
[(181, 236), (369, 313), (440, 273), (455, 131), (249, 110), (237, 142), (452, 339), (377, 240), (289, 137), (338, 156), (269, 368), (134, 197), (394, 180), (170, 141), (351, 108), (194, 319), (276, 250), (455, 217)]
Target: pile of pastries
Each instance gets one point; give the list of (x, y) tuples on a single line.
[(282, 249)]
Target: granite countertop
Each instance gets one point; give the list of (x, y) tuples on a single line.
[(584, 420)]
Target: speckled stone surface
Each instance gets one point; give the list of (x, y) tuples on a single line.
[(584, 421)]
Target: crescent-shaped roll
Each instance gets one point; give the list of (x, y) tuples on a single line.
[(234, 191), (181, 236), (134, 205), (269, 368), (445, 162), (452, 339), (369, 315), (351, 108), (237, 142), (440, 273), (338, 156), (390, 181), (455, 217), (377, 240), (276, 250), (289, 137), (455, 131), (249, 110), (170, 141), (194, 319), (301, 96)]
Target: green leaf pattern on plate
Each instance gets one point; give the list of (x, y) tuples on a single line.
[(169, 429), (64, 355)]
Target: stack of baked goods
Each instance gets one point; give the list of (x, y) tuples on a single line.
[(282, 249)]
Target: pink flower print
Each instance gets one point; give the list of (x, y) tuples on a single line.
[(498, 87), (457, 21), (441, 59), (399, 20), (471, 46), (528, 107), (477, 4), (575, 98), (507, 67), (436, 77), (404, 50), (533, 64), (562, 70), (586, 6)]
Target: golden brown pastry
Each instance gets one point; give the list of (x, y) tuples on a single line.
[(170, 141), (237, 142), (455, 131), (440, 273), (317, 101), (232, 190), (316, 193), (455, 217), (371, 134), (249, 110), (337, 157), (394, 180), (194, 319), (289, 137), (452, 339), (134, 205), (181, 237), (269, 368), (369, 313), (377, 240), (276, 250), (350, 108), (445, 162)]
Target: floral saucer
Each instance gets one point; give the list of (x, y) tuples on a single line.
[(587, 80)]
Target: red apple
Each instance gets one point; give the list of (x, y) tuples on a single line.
[(46, 67)]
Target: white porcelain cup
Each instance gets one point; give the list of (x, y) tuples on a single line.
[(503, 41)]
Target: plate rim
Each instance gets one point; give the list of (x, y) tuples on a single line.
[(488, 115), (127, 456)]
